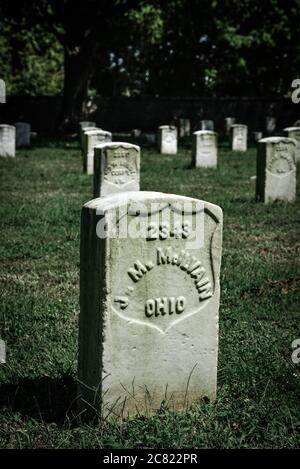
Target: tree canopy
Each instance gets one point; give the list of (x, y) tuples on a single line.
[(151, 47)]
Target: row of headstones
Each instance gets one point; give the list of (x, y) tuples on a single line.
[(116, 165), (14, 136), (149, 299), (184, 126), (150, 269)]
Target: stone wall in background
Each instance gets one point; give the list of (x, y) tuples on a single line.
[(147, 113)]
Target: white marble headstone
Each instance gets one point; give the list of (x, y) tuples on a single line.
[(229, 121), (167, 139), (207, 125), (276, 169), (184, 127), (149, 302), (91, 139), (23, 132), (2, 352), (294, 132), (239, 134), (257, 136), (205, 149), (7, 140), (270, 124), (116, 168)]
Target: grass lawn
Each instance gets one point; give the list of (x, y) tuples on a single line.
[(42, 191)]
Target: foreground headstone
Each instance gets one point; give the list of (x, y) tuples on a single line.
[(205, 149), (239, 134), (7, 140), (2, 352), (149, 302), (167, 139), (229, 121), (294, 132), (23, 133), (116, 168), (184, 127), (276, 169), (91, 139), (207, 125)]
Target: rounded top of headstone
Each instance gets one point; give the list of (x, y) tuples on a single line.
[(96, 132), (83, 124), (7, 125), (88, 129), (134, 198), (290, 129), (204, 132), (170, 127), (275, 140), (117, 145)]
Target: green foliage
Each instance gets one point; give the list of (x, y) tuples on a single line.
[(42, 192)]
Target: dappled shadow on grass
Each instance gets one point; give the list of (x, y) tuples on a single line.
[(44, 399)]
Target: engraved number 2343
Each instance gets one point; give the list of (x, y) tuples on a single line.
[(164, 231)]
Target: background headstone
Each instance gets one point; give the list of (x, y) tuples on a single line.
[(167, 139), (23, 133), (270, 124), (85, 125), (229, 121), (207, 125), (91, 138), (294, 132), (116, 168), (7, 140), (205, 149), (257, 136), (2, 352), (149, 304), (150, 137), (276, 169), (136, 133), (184, 127), (239, 134)]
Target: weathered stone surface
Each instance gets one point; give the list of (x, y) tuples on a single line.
[(207, 125), (229, 121), (167, 139), (116, 168), (276, 169), (239, 134), (2, 351), (7, 140), (184, 127), (294, 132), (23, 132), (91, 138), (149, 304), (205, 149)]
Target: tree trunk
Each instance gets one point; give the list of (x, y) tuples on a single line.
[(78, 67)]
